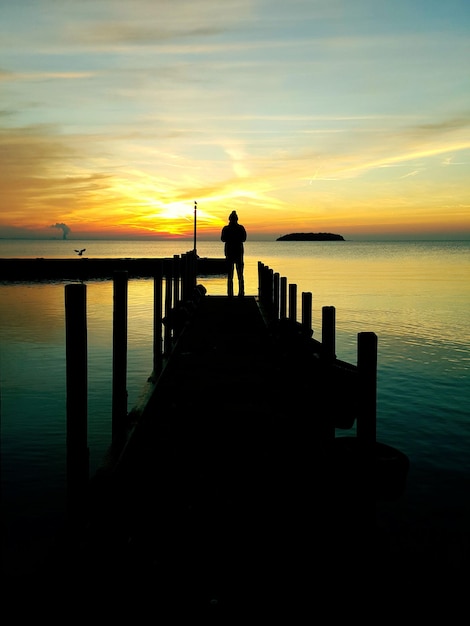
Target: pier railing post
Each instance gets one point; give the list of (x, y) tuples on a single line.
[(265, 286), (367, 366), (167, 338), (187, 283), (77, 396), (269, 289), (328, 328), (307, 311), (260, 281), (120, 315), (283, 298), (157, 320), (293, 302), (193, 272), (276, 295), (176, 278)]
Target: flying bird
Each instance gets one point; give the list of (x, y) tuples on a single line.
[(80, 252)]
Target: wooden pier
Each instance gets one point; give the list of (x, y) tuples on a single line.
[(84, 268), (228, 489)]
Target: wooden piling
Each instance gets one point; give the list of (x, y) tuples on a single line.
[(77, 396), (270, 289), (283, 298), (266, 292), (176, 278), (367, 366), (276, 295), (190, 275), (266, 287), (328, 327), (120, 315), (260, 281), (167, 335), (293, 302), (187, 286), (307, 311), (157, 321)]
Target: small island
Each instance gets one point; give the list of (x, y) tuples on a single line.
[(311, 237)]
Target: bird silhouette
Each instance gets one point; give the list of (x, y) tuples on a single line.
[(80, 252)]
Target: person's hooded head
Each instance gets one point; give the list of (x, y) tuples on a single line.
[(233, 217)]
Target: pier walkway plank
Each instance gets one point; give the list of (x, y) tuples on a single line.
[(224, 499)]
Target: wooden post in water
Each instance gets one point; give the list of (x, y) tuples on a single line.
[(283, 298), (120, 314), (367, 365), (270, 289), (328, 340), (195, 227), (168, 301), (263, 284), (191, 276), (366, 433), (184, 275), (328, 329), (260, 281), (265, 277), (307, 310), (187, 281), (176, 278), (157, 320), (276, 295), (293, 302), (77, 396)]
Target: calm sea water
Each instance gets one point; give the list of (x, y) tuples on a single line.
[(414, 295)]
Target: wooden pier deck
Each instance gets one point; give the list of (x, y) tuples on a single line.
[(227, 497), (17, 269)]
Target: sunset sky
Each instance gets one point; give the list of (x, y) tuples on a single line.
[(343, 116)]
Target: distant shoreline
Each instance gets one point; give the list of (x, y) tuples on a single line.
[(311, 237)]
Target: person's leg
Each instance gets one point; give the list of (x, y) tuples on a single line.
[(241, 280), (230, 279)]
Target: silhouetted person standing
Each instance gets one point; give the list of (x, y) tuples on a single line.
[(234, 234)]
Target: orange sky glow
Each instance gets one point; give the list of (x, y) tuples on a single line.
[(303, 117)]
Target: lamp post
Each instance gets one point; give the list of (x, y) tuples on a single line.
[(195, 211)]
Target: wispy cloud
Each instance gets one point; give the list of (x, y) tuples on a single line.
[(41, 76), (413, 173)]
